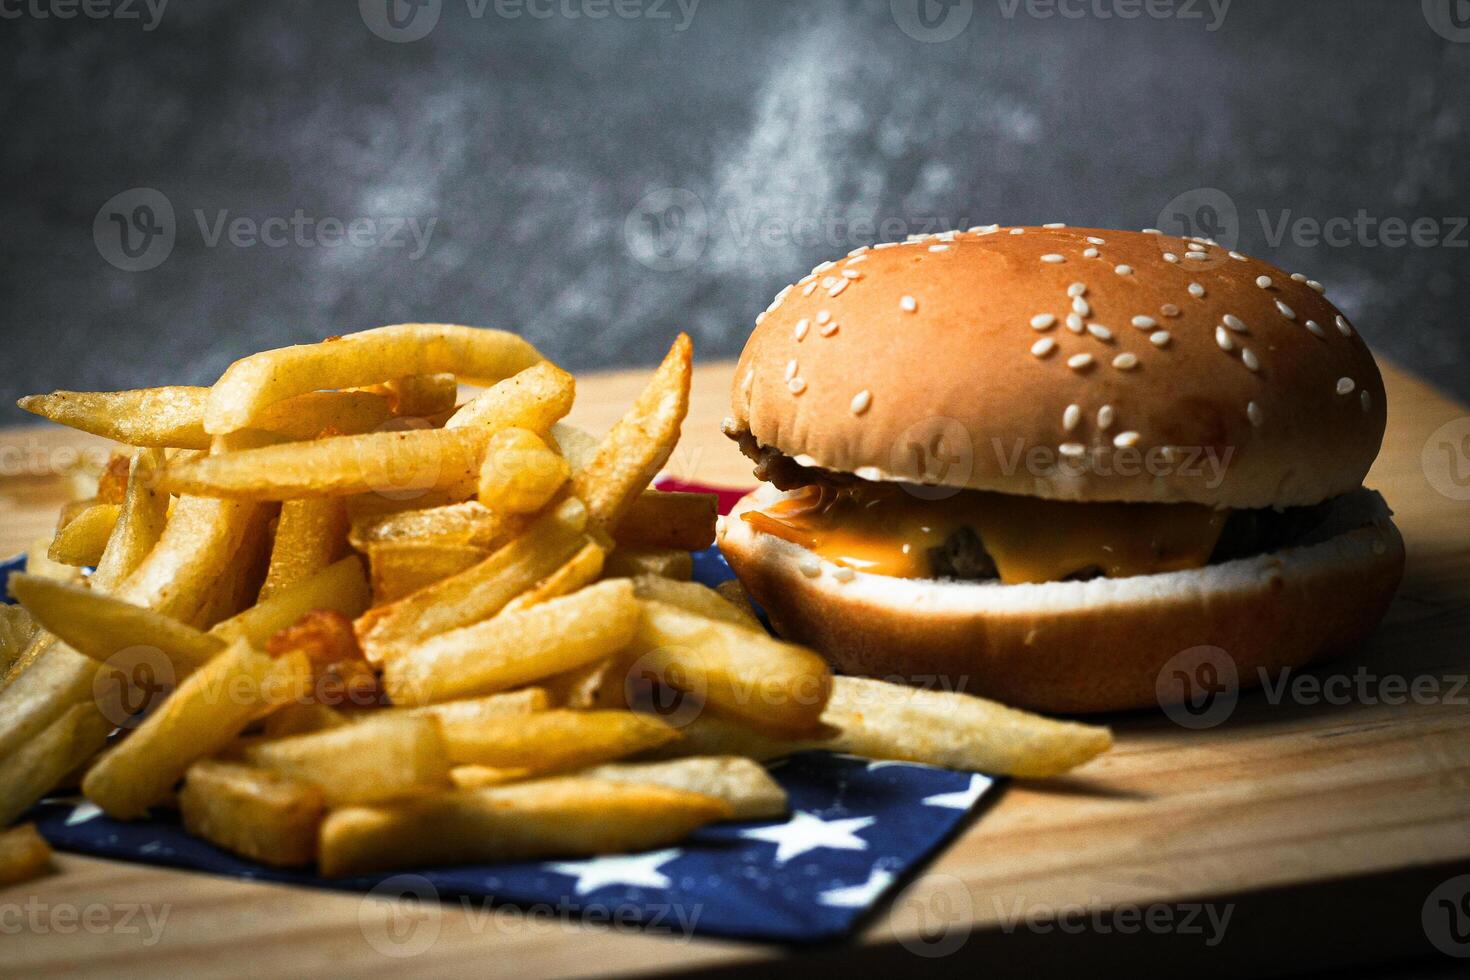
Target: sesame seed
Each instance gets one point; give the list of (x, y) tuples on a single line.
[(1286, 311), (1298, 277), (1043, 321), (1237, 256), (1249, 358), (1316, 328), (1152, 231), (885, 245), (1093, 239), (857, 251), (843, 574), (939, 248), (1105, 417), (1072, 450), (856, 259), (1076, 289), (823, 267), (1342, 326), (1222, 337), (810, 567), (1196, 290), (1235, 323), (802, 326), (828, 282), (1314, 284), (1125, 362), (1089, 253), (828, 329), (841, 285), (1253, 412), (1263, 281), (781, 295), (1169, 309), (805, 279), (1053, 258), (1055, 224), (1079, 362), (1126, 440), (1074, 322), (1123, 270), (1072, 417), (761, 317), (809, 288), (1170, 257), (1345, 386), (1145, 322), (1100, 332), (851, 274), (796, 386), (983, 229), (1080, 306), (1160, 338), (823, 316), (1017, 231), (790, 369), (908, 304), (861, 401), (1366, 400), (1043, 347)]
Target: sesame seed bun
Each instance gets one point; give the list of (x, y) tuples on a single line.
[(1073, 646), (1066, 363)]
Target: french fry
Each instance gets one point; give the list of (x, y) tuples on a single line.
[(343, 677), (112, 485), (634, 450), (379, 758), (479, 591), (310, 535), (693, 597), (734, 593), (48, 757), (879, 720), (237, 587), (38, 564), (48, 679), (468, 524), (420, 395), (24, 854), (578, 446), (479, 777), (657, 519), (173, 418), (520, 473), (83, 539), (580, 569), (257, 813), (587, 686), (302, 718), (401, 567), (17, 629), (555, 740), (201, 717), (738, 670), (533, 399), (100, 626), (140, 523), (565, 817), (199, 539), (524, 701), (369, 357), (514, 648), (340, 587), (664, 562), (745, 785)]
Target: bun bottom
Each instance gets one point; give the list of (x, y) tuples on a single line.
[(1074, 647)]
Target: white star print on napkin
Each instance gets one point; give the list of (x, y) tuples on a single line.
[(806, 832)]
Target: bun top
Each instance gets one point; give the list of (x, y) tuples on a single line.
[(1066, 363)]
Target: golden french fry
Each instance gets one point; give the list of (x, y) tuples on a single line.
[(112, 485), (369, 357), (310, 535), (517, 648), (302, 718), (140, 523), (200, 717), (382, 757), (263, 815), (520, 702), (520, 473), (555, 740), (420, 395), (734, 593), (880, 720), (237, 587), (49, 756), (693, 597), (401, 567), (199, 539), (634, 450), (17, 629), (38, 564), (533, 399), (745, 785), (101, 626), (83, 539), (478, 777), (340, 587), (666, 563), (479, 591), (677, 520), (565, 817), (579, 570), (48, 679), (578, 446), (24, 854), (468, 524), (583, 687)]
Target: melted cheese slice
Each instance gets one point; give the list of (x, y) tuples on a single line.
[(886, 529)]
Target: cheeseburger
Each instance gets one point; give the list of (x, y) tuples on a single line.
[(1039, 463)]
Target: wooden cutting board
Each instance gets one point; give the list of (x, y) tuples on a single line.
[(1322, 827)]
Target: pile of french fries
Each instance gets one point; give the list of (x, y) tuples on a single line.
[(337, 616)]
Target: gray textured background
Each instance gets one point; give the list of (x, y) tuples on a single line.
[(599, 182)]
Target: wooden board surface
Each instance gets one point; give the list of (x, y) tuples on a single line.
[(1321, 826)]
